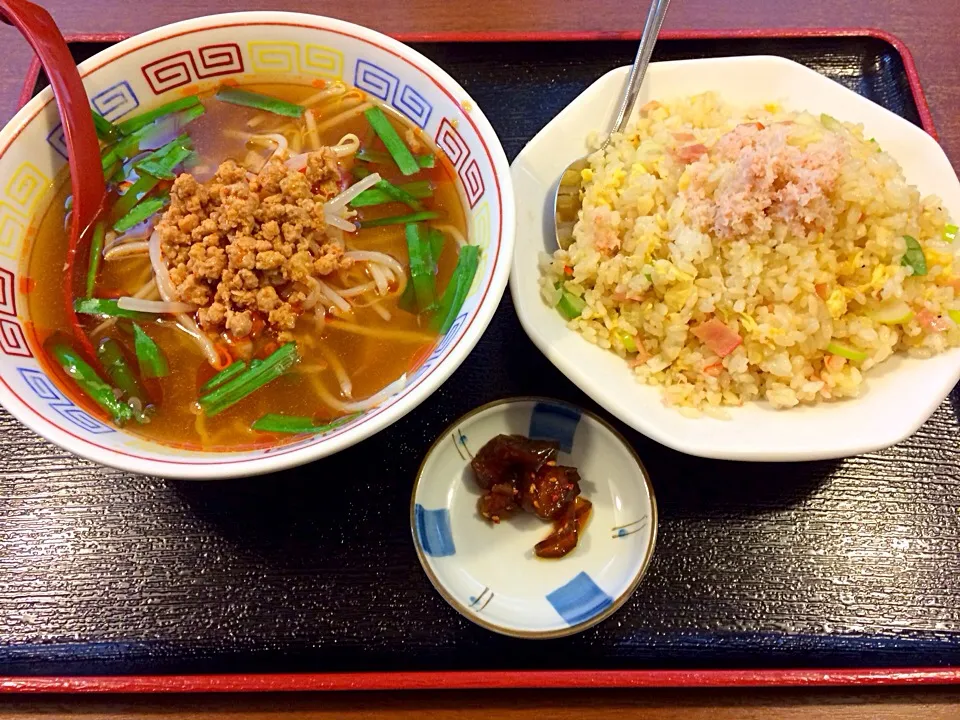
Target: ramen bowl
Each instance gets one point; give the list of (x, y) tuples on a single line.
[(198, 55)]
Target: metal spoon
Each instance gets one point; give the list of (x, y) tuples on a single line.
[(566, 204)]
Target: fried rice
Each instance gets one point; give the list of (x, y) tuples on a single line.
[(733, 255)]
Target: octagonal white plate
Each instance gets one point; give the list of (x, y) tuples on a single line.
[(489, 573), (900, 394)]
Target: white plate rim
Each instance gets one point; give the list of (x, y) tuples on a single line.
[(687, 441)]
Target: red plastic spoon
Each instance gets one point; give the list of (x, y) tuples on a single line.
[(86, 175)]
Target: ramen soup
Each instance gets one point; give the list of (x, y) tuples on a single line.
[(271, 260)]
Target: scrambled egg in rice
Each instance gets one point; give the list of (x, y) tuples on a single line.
[(732, 256)]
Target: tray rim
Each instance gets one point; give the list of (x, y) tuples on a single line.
[(477, 680), (913, 77), (506, 679)]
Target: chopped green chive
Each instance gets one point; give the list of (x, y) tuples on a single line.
[(250, 380), (457, 289), (165, 168), (134, 194), (130, 126), (417, 190), (275, 423), (228, 373), (106, 130), (130, 145), (152, 361), (96, 251), (246, 98), (421, 269), (140, 212), (436, 244), (91, 384), (161, 162), (950, 232), (836, 347), (107, 308), (111, 357), (401, 219), (377, 157), (395, 146), (626, 339), (385, 191)]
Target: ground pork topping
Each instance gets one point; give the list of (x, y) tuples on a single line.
[(249, 249)]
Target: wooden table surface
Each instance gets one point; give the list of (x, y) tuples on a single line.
[(930, 28)]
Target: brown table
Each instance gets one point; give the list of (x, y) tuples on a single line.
[(930, 28)]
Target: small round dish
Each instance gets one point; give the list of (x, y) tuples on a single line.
[(489, 573)]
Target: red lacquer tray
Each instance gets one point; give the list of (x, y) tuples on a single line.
[(871, 62)]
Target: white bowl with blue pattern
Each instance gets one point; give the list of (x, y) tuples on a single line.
[(197, 55), (489, 573)]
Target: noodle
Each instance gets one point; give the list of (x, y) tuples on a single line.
[(200, 425), (452, 232), (312, 134), (380, 310), (137, 232), (357, 289), (126, 250), (409, 336), (371, 402), (313, 297), (346, 114), (276, 138)]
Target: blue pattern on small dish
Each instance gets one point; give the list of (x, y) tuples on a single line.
[(494, 579), (434, 533), (550, 421), (579, 600)]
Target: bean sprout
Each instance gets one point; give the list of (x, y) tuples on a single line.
[(347, 145), (334, 297), (383, 287), (337, 88), (346, 387), (377, 257), (339, 222)]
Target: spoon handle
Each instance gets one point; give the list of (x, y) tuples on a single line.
[(651, 28), (86, 175), (41, 32)]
